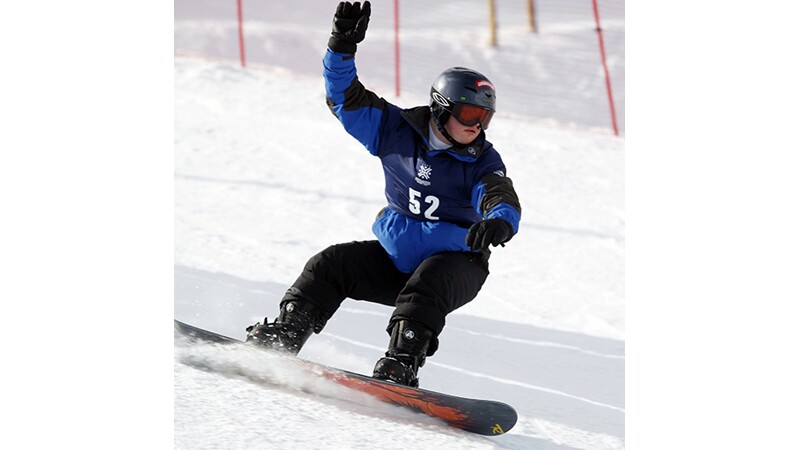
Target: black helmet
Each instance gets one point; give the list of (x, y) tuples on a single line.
[(466, 94)]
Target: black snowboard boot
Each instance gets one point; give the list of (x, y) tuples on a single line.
[(408, 347), (291, 329)]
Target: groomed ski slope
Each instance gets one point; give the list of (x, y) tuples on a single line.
[(265, 177)]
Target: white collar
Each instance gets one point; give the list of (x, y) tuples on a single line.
[(434, 141)]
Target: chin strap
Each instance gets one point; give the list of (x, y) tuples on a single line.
[(441, 129)]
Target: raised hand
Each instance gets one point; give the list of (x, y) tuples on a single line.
[(349, 26)]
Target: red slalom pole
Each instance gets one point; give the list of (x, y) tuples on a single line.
[(241, 31), (397, 48), (605, 67)]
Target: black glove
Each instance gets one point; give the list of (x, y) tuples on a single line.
[(349, 26), (490, 231)]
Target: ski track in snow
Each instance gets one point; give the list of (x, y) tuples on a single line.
[(472, 373), (225, 376)]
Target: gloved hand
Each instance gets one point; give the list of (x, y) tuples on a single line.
[(489, 231), (349, 26)]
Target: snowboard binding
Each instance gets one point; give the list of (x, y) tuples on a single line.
[(408, 347), (290, 331)]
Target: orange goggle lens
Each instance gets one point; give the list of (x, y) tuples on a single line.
[(470, 115)]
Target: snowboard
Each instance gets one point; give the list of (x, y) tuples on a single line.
[(485, 417)]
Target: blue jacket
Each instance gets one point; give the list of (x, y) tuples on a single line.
[(433, 196)]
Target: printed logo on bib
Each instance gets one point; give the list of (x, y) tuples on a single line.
[(423, 175)]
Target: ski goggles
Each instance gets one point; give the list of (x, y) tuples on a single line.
[(469, 115)]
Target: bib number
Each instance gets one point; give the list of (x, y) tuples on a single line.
[(415, 206)]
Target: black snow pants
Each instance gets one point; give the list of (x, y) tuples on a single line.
[(363, 271)]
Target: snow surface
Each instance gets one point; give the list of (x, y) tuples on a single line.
[(265, 177)]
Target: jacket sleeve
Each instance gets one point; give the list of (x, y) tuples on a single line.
[(493, 196), (360, 111)]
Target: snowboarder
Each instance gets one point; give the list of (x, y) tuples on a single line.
[(448, 198)]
